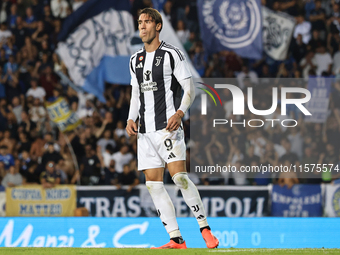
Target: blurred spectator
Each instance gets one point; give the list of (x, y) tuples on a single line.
[(11, 66), (87, 110), (3, 14), (37, 111), (128, 177), (89, 167), (299, 49), (8, 141), (4, 33), (12, 16), (17, 108), (30, 49), (37, 147), (120, 130), (316, 41), (295, 138), (30, 21), (287, 179), (26, 124), (246, 74), (251, 157), (6, 158), (48, 138), (306, 64), (48, 18), (188, 45), (111, 176), (28, 169), (289, 156), (199, 59), (233, 61), (182, 33), (191, 13), (20, 33), (50, 177), (59, 8), (51, 155), (334, 18), (36, 91), (304, 28), (122, 157), (313, 177), (24, 144), (322, 60), (12, 178), (318, 16), (106, 140), (169, 13), (289, 6), (48, 80), (215, 68)]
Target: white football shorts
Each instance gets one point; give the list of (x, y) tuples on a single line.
[(156, 148)]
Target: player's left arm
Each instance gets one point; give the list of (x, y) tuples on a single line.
[(187, 100), (183, 75)]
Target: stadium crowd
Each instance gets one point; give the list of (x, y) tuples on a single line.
[(32, 150)]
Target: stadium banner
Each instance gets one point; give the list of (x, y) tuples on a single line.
[(60, 113), (95, 44), (107, 201), (2, 203), (277, 31), (320, 89), (233, 25), (332, 200), (35, 201), (142, 232), (299, 201)]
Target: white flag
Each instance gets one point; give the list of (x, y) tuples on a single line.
[(277, 32)]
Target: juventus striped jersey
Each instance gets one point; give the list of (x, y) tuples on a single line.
[(157, 75)]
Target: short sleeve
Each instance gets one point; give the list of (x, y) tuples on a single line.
[(181, 68), (134, 81)]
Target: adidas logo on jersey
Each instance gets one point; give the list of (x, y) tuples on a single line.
[(140, 65), (171, 156)]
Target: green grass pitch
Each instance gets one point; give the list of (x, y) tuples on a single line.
[(123, 251)]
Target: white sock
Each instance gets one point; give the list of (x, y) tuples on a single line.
[(191, 197), (164, 207)]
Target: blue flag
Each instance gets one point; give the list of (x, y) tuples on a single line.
[(158, 4), (95, 44), (299, 201), (234, 25)]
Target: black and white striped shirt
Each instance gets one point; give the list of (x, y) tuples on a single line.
[(157, 75)]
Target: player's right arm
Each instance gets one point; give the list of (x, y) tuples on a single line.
[(131, 126)]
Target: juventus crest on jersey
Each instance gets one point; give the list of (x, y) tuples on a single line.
[(157, 75)]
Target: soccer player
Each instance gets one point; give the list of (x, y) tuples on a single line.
[(159, 72)]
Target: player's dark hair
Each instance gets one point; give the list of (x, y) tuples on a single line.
[(154, 15)]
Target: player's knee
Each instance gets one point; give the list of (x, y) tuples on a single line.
[(152, 185), (181, 180)]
